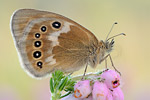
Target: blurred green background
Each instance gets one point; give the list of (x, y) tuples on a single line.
[(130, 55)]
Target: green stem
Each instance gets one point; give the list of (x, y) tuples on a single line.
[(55, 96), (88, 76)]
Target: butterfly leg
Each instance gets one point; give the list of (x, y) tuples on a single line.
[(105, 58), (70, 74), (106, 63), (111, 62), (84, 72)]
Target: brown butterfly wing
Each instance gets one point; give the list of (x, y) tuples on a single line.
[(47, 41)]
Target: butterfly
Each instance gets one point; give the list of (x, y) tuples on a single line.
[(46, 42)]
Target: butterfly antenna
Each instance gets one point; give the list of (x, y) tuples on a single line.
[(111, 29), (116, 36)]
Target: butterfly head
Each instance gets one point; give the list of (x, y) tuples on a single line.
[(107, 45)]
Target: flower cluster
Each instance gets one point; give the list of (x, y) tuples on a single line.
[(106, 87)]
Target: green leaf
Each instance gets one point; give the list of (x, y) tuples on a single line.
[(65, 95), (68, 89), (53, 74), (59, 83), (51, 85), (63, 83)]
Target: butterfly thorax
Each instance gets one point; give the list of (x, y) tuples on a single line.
[(103, 49), (97, 53)]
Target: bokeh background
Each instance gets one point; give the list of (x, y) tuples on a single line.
[(130, 55)]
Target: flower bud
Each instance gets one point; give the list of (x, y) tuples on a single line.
[(89, 98), (117, 94), (100, 91), (112, 78), (82, 89), (109, 96)]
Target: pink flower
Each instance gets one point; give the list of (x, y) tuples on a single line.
[(112, 78), (100, 91), (117, 94), (109, 96), (70, 97), (82, 89), (89, 98)]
